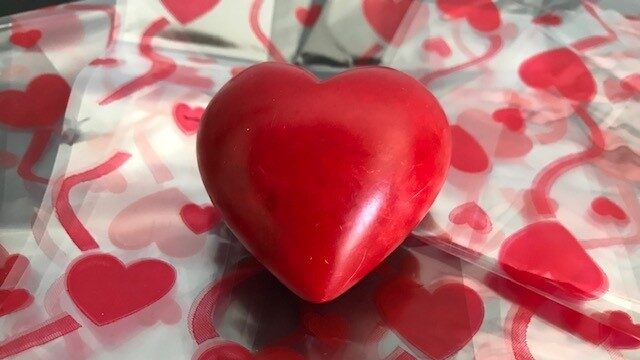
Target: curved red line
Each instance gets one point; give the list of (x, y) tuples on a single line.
[(161, 66), (519, 327), (596, 40), (262, 37), (109, 10), (44, 333), (547, 176), (200, 317), (36, 149), (65, 213), (495, 44)]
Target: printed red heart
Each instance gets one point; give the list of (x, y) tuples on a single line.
[(386, 16), (42, 104), (109, 62), (13, 269), (438, 46), (187, 118), (510, 117), (200, 219), (14, 300), (546, 256), (308, 16), (187, 11), (467, 154), (482, 15), (560, 69), (472, 215), (106, 290), (26, 39), (604, 207), (321, 180), (548, 19), (438, 323), (629, 337)]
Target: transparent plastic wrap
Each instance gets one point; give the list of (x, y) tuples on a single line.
[(529, 252)]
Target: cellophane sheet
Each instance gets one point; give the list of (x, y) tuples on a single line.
[(110, 247)]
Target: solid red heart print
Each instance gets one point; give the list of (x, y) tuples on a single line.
[(322, 180), (106, 290)]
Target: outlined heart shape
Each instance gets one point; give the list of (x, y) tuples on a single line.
[(560, 267), (472, 215), (307, 16), (297, 171), (438, 322), (482, 15), (14, 300), (187, 118), (41, 104), (200, 219), (188, 11), (106, 290), (560, 69), (26, 39)]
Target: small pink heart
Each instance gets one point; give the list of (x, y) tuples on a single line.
[(511, 118), (437, 45), (308, 16), (187, 118), (472, 215), (200, 219), (604, 207), (548, 19), (26, 39)]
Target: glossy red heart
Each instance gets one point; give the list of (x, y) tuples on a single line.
[(308, 16), (188, 11), (41, 104), (545, 255), (106, 290), (562, 70), (14, 300), (482, 15), (321, 180), (187, 118), (200, 219), (26, 39), (438, 323), (386, 16)]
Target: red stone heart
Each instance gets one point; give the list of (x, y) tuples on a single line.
[(482, 15), (560, 69), (187, 118), (308, 16), (545, 255), (187, 11), (386, 16), (321, 180), (42, 104), (14, 300), (438, 46), (472, 215), (438, 323), (13, 269), (26, 39), (467, 154), (200, 219), (604, 207), (106, 290), (548, 19)]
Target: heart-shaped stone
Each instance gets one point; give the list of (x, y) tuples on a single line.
[(321, 180), (41, 104), (546, 256), (187, 118), (482, 15), (560, 69), (106, 290), (438, 323), (26, 39), (188, 11)]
